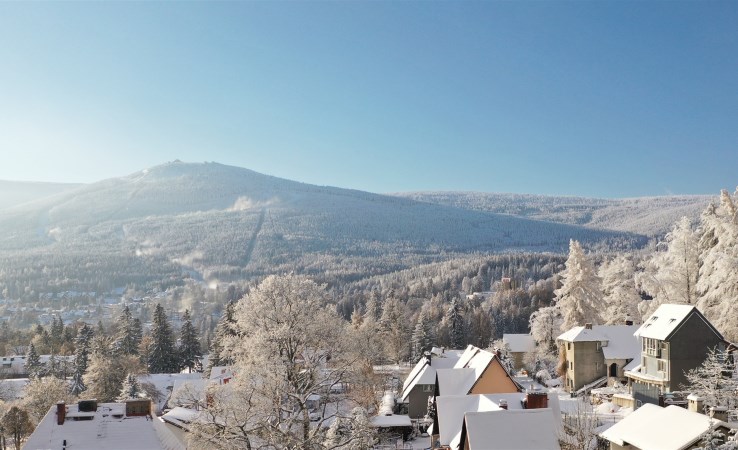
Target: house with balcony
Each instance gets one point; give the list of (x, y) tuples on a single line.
[(674, 340), (599, 354)]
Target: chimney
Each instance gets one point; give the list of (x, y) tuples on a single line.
[(503, 403), (719, 413), (61, 413), (536, 399), (695, 403), (587, 326), (428, 357)]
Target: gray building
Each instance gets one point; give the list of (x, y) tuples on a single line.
[(421, 382), (674, 340)]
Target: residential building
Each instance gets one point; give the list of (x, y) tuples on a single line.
[(451, 409), (674, 340), (476, 372), (652, 427), (509, 430), (420, 383), (88, 425), (594, 355), (518, 345)]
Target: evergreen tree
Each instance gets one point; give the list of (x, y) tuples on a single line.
[(718, 274), (131, 389), (580, 296), (162, 356), (81, 359), (670, 275), (455, 321), (126, 342), (394, 330), (189, 345), (225, 329), (34, 368), (422, 338), (619, 291)]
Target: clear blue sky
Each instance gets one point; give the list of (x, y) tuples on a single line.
[(603, 99)]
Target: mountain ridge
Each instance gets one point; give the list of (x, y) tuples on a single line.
[(225, 222)]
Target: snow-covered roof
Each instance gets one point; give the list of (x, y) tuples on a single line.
[(393, 420), (519, 343), (468, 369), (424, 373), (451, 410), (180, 417), (652, 427), (164, 384), (666, 319), (618, 340), (108, 428), (512, 430), (455, 381), (220, 373)]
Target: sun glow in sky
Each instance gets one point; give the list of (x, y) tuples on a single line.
[(599, 99)]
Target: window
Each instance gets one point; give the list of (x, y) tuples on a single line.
[(597, 366), (571, 365), (653, 347), (427, 388), (568, 345), (661, 365), (599, 346)]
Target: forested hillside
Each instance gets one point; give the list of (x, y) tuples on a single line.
[(223, 223), (650, 216)]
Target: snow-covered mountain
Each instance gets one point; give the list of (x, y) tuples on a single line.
[(228, 222), (649, 216), (14, 193)]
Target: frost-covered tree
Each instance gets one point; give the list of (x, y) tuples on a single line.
[(545, 327), (670, 274), (105, 375), (17, 423), (455, 320), (718, 274), (422, 338), (290, 345), (715, 380), (619, 291), (394, 330), (225, 328), (580, 296), (81, 359), (129, 335), (40, 394), (162, 353), (130, 389), (34, 368), (715, 439), (189, 345)]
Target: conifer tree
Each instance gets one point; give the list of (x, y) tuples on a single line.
[(126, 342), (131, 389), (455, 321), (580, 296), (620, 297), (718, 278), (34, 369), (189, 345), (162, 356), (422, 338), (225, 328), (81, 359)]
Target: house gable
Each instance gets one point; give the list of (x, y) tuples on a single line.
[(494, 380)]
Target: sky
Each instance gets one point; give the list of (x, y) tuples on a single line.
[(595, 99)]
